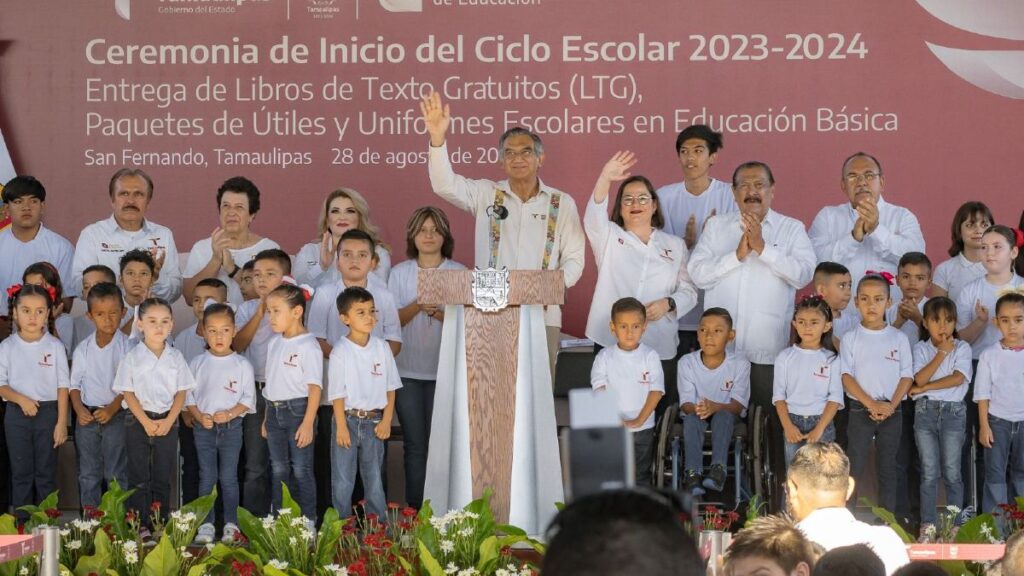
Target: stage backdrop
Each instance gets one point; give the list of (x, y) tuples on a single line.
[(303, 96)]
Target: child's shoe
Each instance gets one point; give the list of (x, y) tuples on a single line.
[(230, 533), (716, 478), (206, 534), (691, 483)]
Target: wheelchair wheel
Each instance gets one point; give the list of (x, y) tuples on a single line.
[(661, 454), (763, 475)]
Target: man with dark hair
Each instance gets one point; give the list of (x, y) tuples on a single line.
[(232, 243), (856, 560), (104, 242), (687, 206), (770, 546), (620, 533), (818, 486), (865, 233), (27, 241)]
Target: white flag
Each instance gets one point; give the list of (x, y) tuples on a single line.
[(6, 166)]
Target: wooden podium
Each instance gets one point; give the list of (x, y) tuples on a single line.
[(492, 354)]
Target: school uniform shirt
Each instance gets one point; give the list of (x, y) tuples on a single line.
[(956, 273), (877, 359), (65, 327), (910, 328), (105, 242), (34, 369), (626, 266), (524, 232), (959, 360), (421, 336), (849, 320), (324, 321), (898, 232), (202, 251), (154, 380), (307, 270), (631, 375), (988, 294), (1000, 380), (807, 380), (93, 369), (677, 204), (190, 344), (83, 329), (363, 375), (47, 246), (730, 381), (222, 382), (256, 352), (759, 291), (293, 364)]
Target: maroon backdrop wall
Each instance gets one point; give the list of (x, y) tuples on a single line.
[(806, 82)]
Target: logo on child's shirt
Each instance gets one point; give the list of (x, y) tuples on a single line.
[(824, 371), (893, 355), (231, 386), (621, 241), (45, 362), (727, 385), (291, 361), (645, 377), (376, 370), (667, 254)]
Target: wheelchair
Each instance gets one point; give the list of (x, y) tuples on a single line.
[(749, 469)]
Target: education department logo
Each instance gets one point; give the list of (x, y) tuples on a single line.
[(1000, 72)]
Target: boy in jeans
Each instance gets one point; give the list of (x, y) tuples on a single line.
[(363, 377)]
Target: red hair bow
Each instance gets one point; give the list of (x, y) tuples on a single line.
[(13, 290), (888, 277), (1020, 237), (53, 293)]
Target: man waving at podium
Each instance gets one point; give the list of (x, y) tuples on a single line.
[(521, 224)]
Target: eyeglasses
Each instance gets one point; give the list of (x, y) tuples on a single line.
[(868, 177), (641, 200), (525, 154)]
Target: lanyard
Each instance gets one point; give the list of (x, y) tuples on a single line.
[(549, 246)]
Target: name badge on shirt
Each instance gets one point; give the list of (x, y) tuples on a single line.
[(823, 371), (376, 369), (727, 385), (110, 247), (292, 358), (893, 355)]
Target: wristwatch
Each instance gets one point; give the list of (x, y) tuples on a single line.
[(235, 271), (671, 304)]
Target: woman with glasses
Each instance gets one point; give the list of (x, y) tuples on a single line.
[(636, 258)]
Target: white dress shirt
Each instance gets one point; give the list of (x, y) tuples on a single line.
[(626, 266), (154, 380), (758, 292), (959, 360), (93, 369), (836, 527), (631, 375), (956, 273), (807, 380), (363, 375), (34, 369), (307, 270), (105, 242), (1000, 380), (202, 251), (523, 233), (421, 336), (677, 204), (898, 232), (47, 246)]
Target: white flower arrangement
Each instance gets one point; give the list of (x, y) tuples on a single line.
[(279, 564)]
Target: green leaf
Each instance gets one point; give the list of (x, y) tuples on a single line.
[(7, 525), (288, 503), (489, 550), (99, 562), (162, 560), (327, 541), (252, 528), (201, 508), (424, 532), (429, 563), (510, 530), (888, 517), (972, 530), (113, 506)]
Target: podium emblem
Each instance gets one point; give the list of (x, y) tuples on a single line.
[(490, 289)]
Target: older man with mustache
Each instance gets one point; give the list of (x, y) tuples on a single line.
[(751, 263)]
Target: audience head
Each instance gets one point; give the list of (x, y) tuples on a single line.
[(356, 256), (697, 147), (873, 298), (208, 289), (345, 209), (753, 187), (286, 305), (1000, 246), (969, 223), (862, 178), (832, 282), (155, 321), (619, 533), (95, 274), (812, 321), (938, 317), (46, 275), (269, 268), (818, 477), (856, 560), (429, 232), (137, 272), (246, 284), (238, 201), (636, 205), (769, 546), (25, 198), (356, 309), (105, 307)]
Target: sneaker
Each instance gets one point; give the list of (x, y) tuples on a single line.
[(691, 483), (230, 533), (147, 538), (927, 535), (206, 534), (715, 479)]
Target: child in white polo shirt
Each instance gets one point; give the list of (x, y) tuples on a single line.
[(997, 390), (99, 435), (225, 392), (714, 385), (364, 378), (833, 283), (632, 371), (154, 379), (877, 373), (913, 277)]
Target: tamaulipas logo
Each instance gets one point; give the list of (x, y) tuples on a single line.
[(997, 71), (124, 7)]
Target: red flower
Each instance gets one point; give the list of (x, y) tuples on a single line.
[(393, 506), (243, 569), (52, 513), (357, 567), (408, 512), (371, 517), (130, 516), (155, 506)]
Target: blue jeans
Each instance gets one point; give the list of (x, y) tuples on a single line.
[(939, 429), (289, 463), (1007, 452), (364, 456), (105, 457), (33, 457), (219, 449), (886, 435), (805, 424), (414, 402), (722, 423)]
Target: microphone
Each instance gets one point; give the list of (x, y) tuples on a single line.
[(497, 211)]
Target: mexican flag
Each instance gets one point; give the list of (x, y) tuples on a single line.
[(6, 173)]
